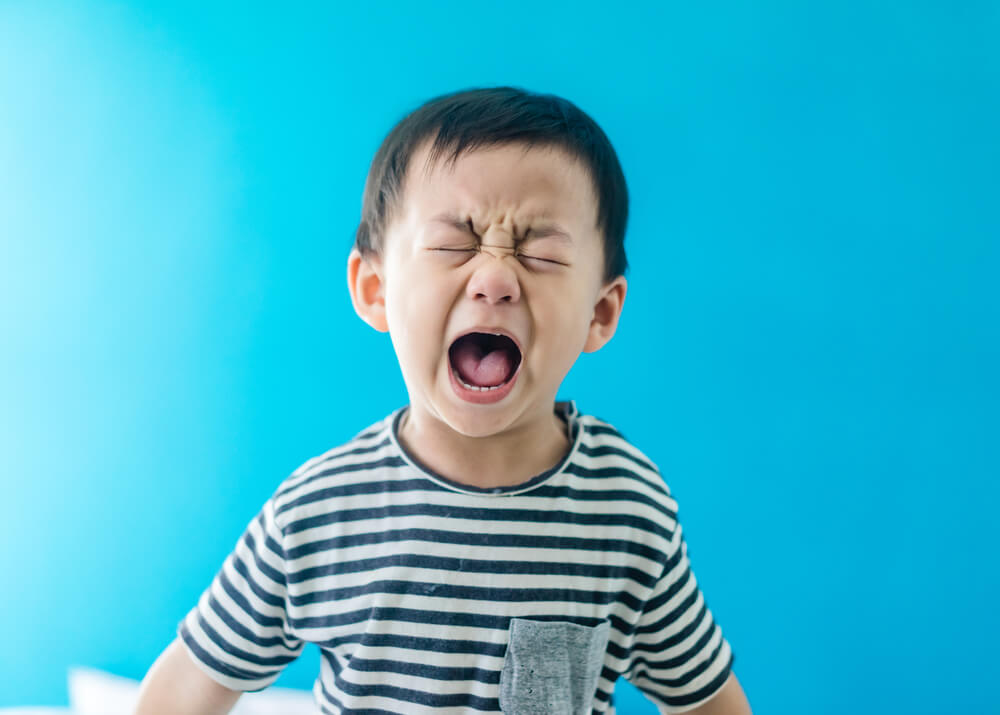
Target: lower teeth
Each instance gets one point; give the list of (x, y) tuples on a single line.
[(467, 386)]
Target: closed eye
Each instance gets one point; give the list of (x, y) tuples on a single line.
[(522, 256), (543, 260)]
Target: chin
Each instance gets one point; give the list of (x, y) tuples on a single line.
[(461, 412), (477, 420)]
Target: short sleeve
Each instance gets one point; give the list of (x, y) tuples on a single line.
[(239, 632), (679, 657)]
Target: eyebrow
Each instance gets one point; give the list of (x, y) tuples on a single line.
[(544, 230), (451, 220)]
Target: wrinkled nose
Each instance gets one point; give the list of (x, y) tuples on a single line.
[(494, 279)]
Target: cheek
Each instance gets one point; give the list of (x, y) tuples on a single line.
[(415, 311), (563, 326)]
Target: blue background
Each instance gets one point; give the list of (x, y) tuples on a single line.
[(809, 347)]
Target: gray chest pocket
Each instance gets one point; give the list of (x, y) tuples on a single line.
[(552, 667)]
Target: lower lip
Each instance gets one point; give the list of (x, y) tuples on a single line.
[(482, 397)]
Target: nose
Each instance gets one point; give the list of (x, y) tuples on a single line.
[(494, 279)]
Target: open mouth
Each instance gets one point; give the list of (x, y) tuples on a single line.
[(484, 361)]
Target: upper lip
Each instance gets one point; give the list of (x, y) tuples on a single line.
[(490, 330)]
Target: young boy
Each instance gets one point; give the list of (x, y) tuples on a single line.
[(485, 548)]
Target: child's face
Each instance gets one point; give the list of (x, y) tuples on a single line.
[(505, 242)]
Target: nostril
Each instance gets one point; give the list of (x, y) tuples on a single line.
[(493, 286)]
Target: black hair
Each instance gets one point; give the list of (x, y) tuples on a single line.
[(490, 116)]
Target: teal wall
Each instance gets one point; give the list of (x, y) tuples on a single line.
[(809, 349)]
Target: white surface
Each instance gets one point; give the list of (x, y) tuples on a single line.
[(94, 692)]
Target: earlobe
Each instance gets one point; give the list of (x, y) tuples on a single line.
[(607, 310), (367, 289)]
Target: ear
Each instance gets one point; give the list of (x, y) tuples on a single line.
[(607, 310), (367, 287)]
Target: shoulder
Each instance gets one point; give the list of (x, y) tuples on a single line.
[(603, 447), (368, 451), (600, 438), (604, 461)]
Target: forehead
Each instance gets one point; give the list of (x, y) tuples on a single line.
[(511, 183)]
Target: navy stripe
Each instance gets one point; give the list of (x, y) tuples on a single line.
[(331, 660), (426, 617), (604, 429), (263, 567), (359, 450), (434, 645), (472, 647), (466, 565), (241, 600), (684, 657), (712, 686), (603, 495), (351, 711), (422, 670), (541, 516), (607, 449), (664, 623), (280, 661), (579, 470), (344, 449), (687, 677), (371, 431), (281, 638), (442, 645), (408, 695), (470, 593), (421, 484), (330, 471), (678, 637), (496, 541), (218, 665)]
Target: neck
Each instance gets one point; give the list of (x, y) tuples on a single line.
[(500, 460)]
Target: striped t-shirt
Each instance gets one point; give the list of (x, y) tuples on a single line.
[(426, 595)]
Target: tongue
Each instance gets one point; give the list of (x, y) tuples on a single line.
[(481, 370)]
